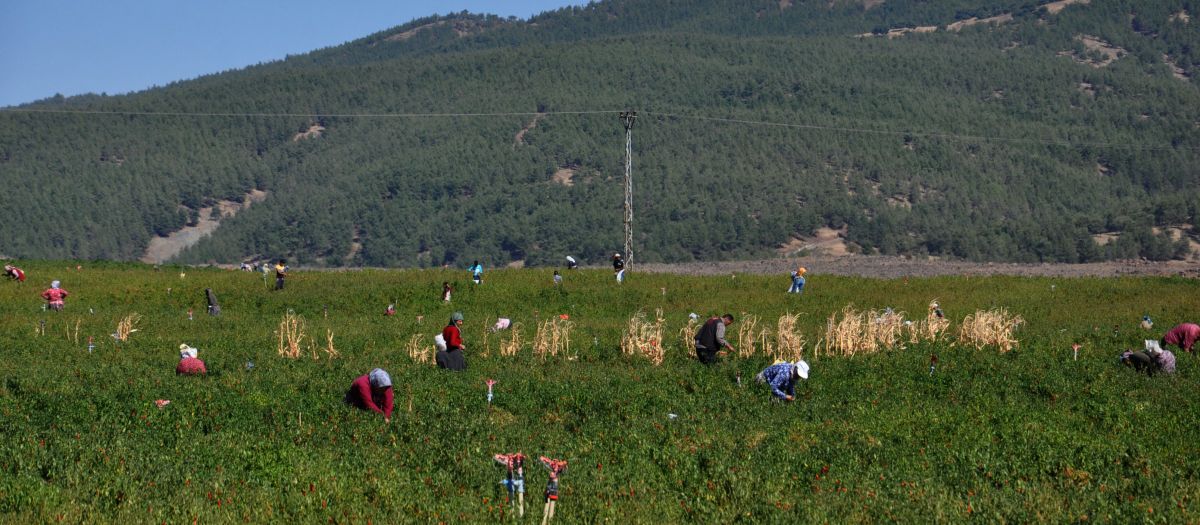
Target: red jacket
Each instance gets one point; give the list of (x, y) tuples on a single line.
[(453, 337), (361, 396), (55, 295), (190, 367), (1184, 335)]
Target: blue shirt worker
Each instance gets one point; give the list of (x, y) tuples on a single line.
[(477, 272), (782, 378), (798, 280)]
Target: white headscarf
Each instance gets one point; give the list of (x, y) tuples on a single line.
[(186, 351)]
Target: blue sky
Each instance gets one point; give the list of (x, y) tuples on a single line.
[(117, 46)]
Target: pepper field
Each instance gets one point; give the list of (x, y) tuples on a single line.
[(1030, 435)]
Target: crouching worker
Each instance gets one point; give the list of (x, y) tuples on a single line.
[(710, 339), (1151, 360), (14, 273), (1184, 336), (189, 362), (372, 392), (782, 378), (452, 357)]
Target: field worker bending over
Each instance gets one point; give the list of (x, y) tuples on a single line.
[(54, 296), (14, 273), (1184, 336), (782, 378), (711, 338), (798, 280), (452, 357), (618, 267), (189, 362), (1153, 359), (372, 392)]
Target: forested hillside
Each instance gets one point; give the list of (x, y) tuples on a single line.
[(987, 130)]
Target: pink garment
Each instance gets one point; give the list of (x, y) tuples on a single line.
[(190, 367), (1184, 336), (55, 296)]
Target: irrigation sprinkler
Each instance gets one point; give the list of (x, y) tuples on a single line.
[(190, 314), (932, 363), (514, 481), (91, 345), (490, 382), (1075, 348), (557, 467)]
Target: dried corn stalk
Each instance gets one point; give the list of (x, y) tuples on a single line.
[(990, 328), (886, 328), (847, 336), (789, 341), (126, 326), (290, 334), (553, 336), (929, 329), (513, 345), (330, 351), (418, 352), (747, 334), (687, 335), (644, 338)]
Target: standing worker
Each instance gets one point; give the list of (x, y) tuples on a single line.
[(446, 289), (372, 392), (477, 272), (798, 280), (1184, 336), (14, 273), (214, 309), (280, 273), (619, 267), (711, 339), (54, 296), (452, 357), (782, 378)]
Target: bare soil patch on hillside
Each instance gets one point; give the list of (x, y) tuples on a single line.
[(162, 249)]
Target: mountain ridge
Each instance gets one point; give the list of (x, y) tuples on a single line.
[(953, 144)]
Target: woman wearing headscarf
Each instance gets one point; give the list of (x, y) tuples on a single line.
[(452, 357), (189, 362), (14, 273), (54, 296), (372, 392)]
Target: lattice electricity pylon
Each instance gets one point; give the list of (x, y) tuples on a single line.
[(627, 119)]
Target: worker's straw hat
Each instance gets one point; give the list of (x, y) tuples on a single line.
[(802, 369)]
